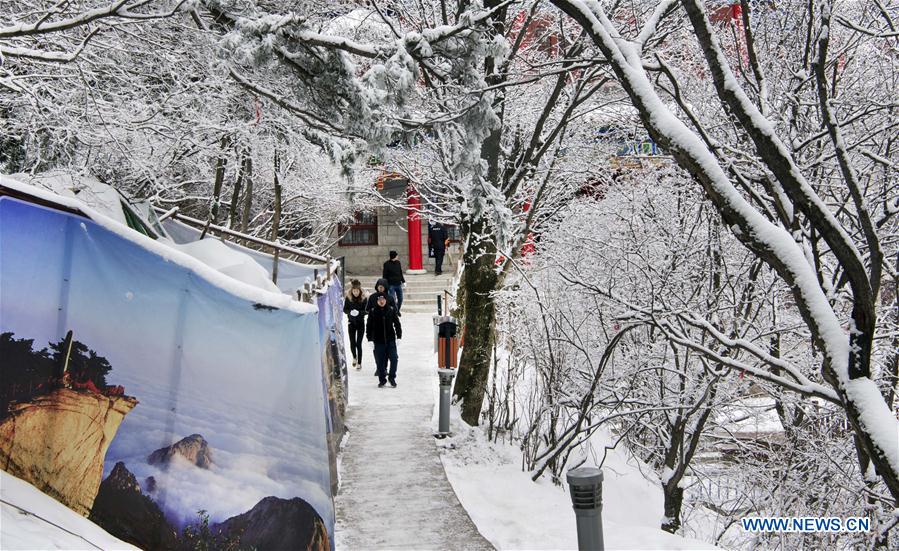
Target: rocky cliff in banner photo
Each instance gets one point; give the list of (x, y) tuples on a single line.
[(58, 442), (122, 509), (277, 524), (193, 448)]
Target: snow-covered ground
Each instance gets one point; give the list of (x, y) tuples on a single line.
[(510, 510), (30, 519), (515, 513)]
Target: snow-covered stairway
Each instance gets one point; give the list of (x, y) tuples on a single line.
[(393, 489)]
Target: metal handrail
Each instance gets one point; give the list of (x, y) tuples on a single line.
[(239, 235)]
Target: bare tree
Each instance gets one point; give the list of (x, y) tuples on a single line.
[(779, 207)]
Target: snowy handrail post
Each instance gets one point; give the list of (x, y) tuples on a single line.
[(585, 486)]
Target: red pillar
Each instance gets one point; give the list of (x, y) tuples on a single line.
[(413, 225)]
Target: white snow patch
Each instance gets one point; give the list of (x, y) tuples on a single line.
[(513, 512), (219, 256), (90, 191), (31, 519), (875, 417)]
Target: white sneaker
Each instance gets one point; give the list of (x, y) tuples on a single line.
[(355, 363)]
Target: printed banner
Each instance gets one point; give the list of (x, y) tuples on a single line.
[(334, 372), (171, 412)]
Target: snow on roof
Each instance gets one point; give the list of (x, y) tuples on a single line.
[(34, 520), (291, 275), (237, 277), (86, 189), (219, 256)]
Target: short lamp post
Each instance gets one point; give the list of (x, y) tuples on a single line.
[(446, 385), (585, 486)]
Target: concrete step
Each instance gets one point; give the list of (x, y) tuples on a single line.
[(429, 297), (428, 293), (409, 292), (413, 288), (426, 279), (418, 310), (428, 290), (417, 302)]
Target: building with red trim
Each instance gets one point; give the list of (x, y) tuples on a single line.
[(366, 243)]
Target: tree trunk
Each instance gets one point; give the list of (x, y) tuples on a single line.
[(674, 500), (276, 218), (479, 279), (234, 209), (674, 496), (248, 196), (220, 165)]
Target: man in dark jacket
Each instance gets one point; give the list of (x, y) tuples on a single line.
[(380, 287), (383, 329), (438, 239), (393, 273)]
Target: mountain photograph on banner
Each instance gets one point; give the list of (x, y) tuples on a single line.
[(168, 410)]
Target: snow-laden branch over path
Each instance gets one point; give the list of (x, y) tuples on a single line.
[(394, 492)]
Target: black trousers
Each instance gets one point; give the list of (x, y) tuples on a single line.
[(438, 259), (357, 333)]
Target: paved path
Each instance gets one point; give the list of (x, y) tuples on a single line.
[(393, 490)]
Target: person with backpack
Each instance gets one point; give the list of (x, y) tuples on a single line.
[(393, 273), (355, 307), (384, 329)]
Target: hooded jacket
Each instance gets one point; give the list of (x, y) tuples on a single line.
[(371, 300)]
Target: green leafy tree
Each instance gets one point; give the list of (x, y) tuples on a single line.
[(83, 363)]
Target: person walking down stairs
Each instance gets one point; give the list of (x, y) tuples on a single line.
[(383, 329), (355, 307), (393, 273)]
